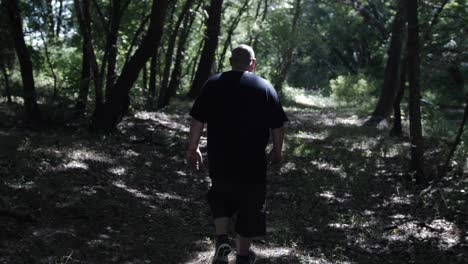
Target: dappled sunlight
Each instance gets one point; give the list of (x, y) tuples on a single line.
[(322, 165), (89, 155), (311, 136), (75, 164), (399, 200), (120, 171), (331, 196), (323, 260), (136, 193), (164, 119), (21, 185), (445, 233)]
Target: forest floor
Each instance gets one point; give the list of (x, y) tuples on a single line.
[(342, 195)]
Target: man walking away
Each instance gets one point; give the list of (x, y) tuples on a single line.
[(241, 110)]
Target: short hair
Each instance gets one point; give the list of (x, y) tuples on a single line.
[(242, 56)]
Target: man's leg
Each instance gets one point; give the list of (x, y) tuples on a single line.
[(222, 225), (243, 245)]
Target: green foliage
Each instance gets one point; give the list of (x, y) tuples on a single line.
[(353, 88)]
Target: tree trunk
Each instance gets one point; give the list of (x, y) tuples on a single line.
[(390, 85), (417, 152), (59, 19), (145, 77), (50, 19), (51, 66), (230, 32), (119, 99), (397, 129), (152, 80), (82, 100), (29, 90), (254, 42), (286, 58), (164, 94), (112, 45), (7, 81), (84, 19), (457, 77), (209, 49), (177, 71), (457, 140)]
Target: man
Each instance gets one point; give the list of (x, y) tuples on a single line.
[(241, 110)]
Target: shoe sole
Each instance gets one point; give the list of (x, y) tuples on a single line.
[(222, 251)]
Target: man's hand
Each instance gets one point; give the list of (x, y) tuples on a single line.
[(194, 158), (275, 156)]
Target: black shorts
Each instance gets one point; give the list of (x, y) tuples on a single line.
[(247, 200)]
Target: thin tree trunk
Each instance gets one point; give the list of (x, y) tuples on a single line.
[(50, 19), (389, 89), (112, 49), (29, 90), (137, 34), (59, 19), (287, 57), (82, 100), (457, 77), (417, 152), (457, 139), (177, 71), (145, 78), (84, 19), (209, 48), (254, 42), (152, 80), (7, 81), (164, 94), (397, 129), (119, 99), (51, 67), (230, 32)]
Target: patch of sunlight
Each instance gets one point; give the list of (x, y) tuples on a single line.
[(331, 197), (134, 192), (446, 233), (329, 167), (399, 200), (288, 166), (169, 196), (76, 165), (86, 154), (117, 170), (164, 119), (261, 252), (86, 190), (366, 145), (308, 98), (350, 120), (181, 173), (272, 252), (314, 136), (322, 260), (130, 153), (22, 185), (340, 226)]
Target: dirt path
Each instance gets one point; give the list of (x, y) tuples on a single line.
[(340, 197)]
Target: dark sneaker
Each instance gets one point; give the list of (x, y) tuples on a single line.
[(223, 248), (249, 259)]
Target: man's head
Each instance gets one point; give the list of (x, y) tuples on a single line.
[(243, 58)]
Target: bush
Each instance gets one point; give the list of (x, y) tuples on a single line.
[(352, 88)]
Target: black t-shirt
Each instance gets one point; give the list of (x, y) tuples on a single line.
[(240, 108)]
